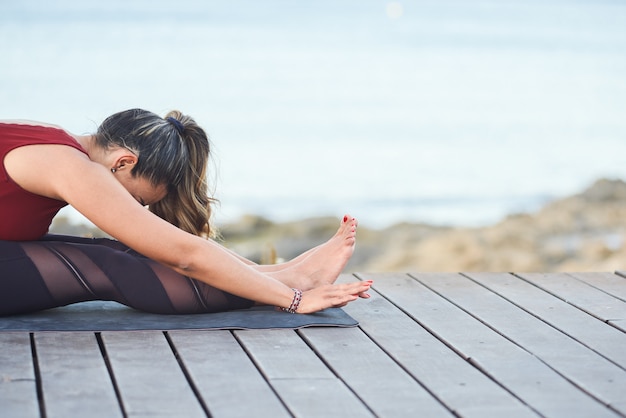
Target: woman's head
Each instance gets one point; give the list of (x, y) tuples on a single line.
[(172, 152)]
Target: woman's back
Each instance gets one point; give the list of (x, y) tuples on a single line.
[(24, 215)]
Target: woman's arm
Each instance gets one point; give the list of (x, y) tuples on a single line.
[(66, 174)]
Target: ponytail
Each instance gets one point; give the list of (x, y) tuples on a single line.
[(188, 205)]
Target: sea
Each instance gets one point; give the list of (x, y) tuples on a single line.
[(449, 112)]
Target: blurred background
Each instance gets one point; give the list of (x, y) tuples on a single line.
[(440, 112)]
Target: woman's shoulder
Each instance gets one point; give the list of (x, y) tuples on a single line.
[(24, 123), (18, 133)]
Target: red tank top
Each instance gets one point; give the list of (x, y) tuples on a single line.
[(25, 216)]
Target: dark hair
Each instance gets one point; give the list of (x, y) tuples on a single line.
[(172, 151)]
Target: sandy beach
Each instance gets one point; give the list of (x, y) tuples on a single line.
[(583, 232)]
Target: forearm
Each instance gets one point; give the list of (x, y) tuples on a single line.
[(237, 256), (220, 268)]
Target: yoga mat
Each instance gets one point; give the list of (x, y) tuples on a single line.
[(112, 316)]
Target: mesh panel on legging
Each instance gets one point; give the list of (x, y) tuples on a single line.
[(60, 270)]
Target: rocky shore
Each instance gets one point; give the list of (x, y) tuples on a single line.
[(584, 232)]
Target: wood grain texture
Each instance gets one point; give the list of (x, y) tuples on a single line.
[(18, 388)]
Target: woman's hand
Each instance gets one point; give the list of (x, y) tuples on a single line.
[(333, 296)]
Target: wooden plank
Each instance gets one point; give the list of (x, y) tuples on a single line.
[(320, 398), (228, 381), (584, 328), (281, 354), (602, 379), (464, 389), (18, 388), (582, 295), (303, 382), (523, 374), (74, 377), (609, 283), (378, 380), (148, 375)]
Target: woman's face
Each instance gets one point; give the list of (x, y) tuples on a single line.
[(122, 162), (142, 190)]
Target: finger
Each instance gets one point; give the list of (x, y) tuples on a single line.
[(366, 283), (358, 287), (365, 290), (347, 299)]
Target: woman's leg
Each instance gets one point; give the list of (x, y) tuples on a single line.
[(323, 264), (319, 265), (60, 270)]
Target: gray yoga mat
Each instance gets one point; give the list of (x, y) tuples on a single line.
[(112, 316)]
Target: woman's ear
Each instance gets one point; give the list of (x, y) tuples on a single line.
[(125, 159)]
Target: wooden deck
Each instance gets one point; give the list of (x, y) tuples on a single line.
[(428, 345)]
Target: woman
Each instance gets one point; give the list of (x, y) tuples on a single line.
[(163, 260)]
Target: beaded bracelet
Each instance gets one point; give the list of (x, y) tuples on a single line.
[(297, 297)]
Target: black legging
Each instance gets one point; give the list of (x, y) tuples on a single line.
[(60, 270)]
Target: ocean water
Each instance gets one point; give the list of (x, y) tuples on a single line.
[(441, 111)]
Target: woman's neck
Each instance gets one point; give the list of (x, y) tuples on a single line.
[(88, 142)]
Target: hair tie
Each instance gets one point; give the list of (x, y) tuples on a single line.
[(176, 123)]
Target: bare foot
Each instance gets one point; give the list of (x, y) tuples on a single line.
[(323, 264)]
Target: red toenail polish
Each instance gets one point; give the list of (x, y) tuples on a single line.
[(345, 218)]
